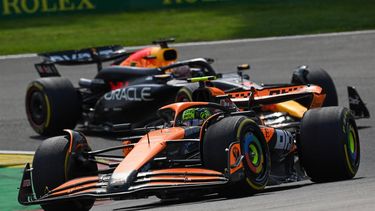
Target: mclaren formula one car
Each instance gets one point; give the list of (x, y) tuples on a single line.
[(202, 148), (138, 83)]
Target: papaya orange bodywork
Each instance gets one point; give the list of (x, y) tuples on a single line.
[(126, 150), (147, 148), (215, 91), (173, 184), (267, 133), (79, 184), (234, 153), (292, 107), (178, 107), (277, 91), (184, 171), (318, 101)]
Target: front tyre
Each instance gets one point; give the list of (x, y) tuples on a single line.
[(53, 166), (256, 162), (329, 144), (52, 104)]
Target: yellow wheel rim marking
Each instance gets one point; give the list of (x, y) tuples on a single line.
[(48, 111)]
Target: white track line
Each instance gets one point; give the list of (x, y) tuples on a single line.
[(335, 34), (18, 56), (228, 41), (11, 152)]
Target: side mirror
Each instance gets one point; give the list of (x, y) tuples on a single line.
[(240, 69), (162, 78), (243, 67), (163, 42)]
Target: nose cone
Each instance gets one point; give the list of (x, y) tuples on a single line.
[(120, 182)]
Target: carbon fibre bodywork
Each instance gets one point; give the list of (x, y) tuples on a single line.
[(153, 166), (169, 161), (138, 83)]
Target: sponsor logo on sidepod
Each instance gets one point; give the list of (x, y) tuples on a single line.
[(130, 94)]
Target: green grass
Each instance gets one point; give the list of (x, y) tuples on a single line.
[(258, 18), (10, 181)]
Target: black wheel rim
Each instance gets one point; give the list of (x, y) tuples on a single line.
[(37, 108)]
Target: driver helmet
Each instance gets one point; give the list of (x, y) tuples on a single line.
[(182, 72), (195, 116)]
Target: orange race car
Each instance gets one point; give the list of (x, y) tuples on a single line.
[(139, 82), (201, 148)]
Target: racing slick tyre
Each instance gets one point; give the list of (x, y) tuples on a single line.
[(256, 161), (53, 165), (329, 144), (317, 77), (185, 94), (52, 104)]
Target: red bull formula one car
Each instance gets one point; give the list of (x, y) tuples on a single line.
[(201, 148), (138, 83)]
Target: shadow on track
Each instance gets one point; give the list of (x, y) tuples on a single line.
[(363, 127), (38, 137), (207, 198), (172, 202)]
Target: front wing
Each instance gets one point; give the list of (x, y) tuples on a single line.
[(145, 184)]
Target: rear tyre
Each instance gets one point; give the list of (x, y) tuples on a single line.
[(52, 104), (53, 165), (317, 77), (185, 94), (329, 144), (218, 138)]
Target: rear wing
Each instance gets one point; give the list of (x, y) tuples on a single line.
[(356, 104), (96, 55)]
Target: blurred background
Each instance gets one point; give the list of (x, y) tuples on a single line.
[(31, 26), (35, 26)]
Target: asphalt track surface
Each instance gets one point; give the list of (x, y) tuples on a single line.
[(350, 60)]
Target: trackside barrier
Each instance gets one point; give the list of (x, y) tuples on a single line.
[(27, 8)]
